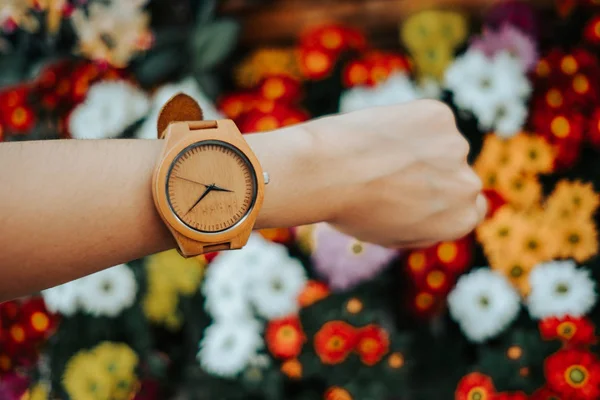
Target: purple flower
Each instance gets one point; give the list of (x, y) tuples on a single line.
[(13, 386), (343, 261), (509, 38), (515, 12)]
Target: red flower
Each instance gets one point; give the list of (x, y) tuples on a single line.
[(316, 63), (9, 312), (455, 256), (312, 292), (559, 126), (266, 116), (334, 341), (284, 337), (576, 331), (280, 88), (211, 256), (438, 282), (573, 374), (36, 319), (494, 200), (425, 304), (356, 73), (333, 38), (510, 396), (372, 344), (13, 97), (1, 133), (20, 119), (593, 131), (235, 104), (418, 263), (475, 386), (582, 90), (337, 393), (545, 393)]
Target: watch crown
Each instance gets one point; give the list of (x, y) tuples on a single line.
[(266, 177)]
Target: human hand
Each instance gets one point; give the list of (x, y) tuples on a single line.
[(395, 176)]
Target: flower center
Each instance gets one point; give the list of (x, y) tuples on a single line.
[(277, 285), (274, 89), (287, 334), (447, 252), (516, 271), (368, 345), (576, 376), (267, 123), (354, 306), (560, 127), (569, 65), (357, 248), (416, 261), (574, 238), (562, 288), (396, 360), (106, 287), (581, 84), (477, 393), (335, 343), (424, 301), (554, 98), (503, 231), (317, 62), (566, 330), (533, 244), (331, 40), (40, 321), (436, 279), (484, 301), (533, 154)]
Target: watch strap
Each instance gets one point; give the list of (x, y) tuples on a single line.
[(180, 107)]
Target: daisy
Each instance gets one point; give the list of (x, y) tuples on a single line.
[(108, 292), (483, 303), (62, 299), (228, 346), (397, 88), (188, 86), (558, 289), (109, 108), (511, 39), (276, 284)]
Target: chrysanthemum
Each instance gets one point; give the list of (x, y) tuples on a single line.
[(228, 346), (334, 341), (84, 378), (372, 344), (63, 299), (483, 303), (577, 239), (516, 268), (521, 190), (537, 153), (558, 288), (108, 292), (575, 331), (496, 233), (284, 337), (511, 39), (532, 241), (475, 386), (574, 374), (572, 199)]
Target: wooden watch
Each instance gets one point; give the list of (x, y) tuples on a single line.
[(208, 185)]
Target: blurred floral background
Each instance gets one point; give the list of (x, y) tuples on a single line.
[(507, 312)]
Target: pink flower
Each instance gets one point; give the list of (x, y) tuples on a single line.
[(518, 13), (509, 38), (343, 261)]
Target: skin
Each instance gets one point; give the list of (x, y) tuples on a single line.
[(395, 176)]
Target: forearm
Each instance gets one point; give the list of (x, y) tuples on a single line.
[(71, 208)]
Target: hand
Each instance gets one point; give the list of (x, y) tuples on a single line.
[(208, 189), (395, 176)]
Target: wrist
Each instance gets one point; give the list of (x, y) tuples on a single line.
[(297, 189)]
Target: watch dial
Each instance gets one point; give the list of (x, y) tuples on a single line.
[(211, 186)]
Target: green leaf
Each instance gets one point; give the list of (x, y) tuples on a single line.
[(160, 66), (212, 43)]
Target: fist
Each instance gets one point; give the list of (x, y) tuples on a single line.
[(397, 176)]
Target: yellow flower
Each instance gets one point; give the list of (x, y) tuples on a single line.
[(577, 239), (499, 154), (496, 233), (185, 274), (120, 361), (161, 299), (84, 378), (268, 61), (572, 200), (537, 154), (305, 238), (516, 268), (433, 26), (523, 191), (40, 391), (432, 60), (532, 241)]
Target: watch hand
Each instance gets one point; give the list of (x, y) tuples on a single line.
[(219, 189), (208, 189), (189, 180)]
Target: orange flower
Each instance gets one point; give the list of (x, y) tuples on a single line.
[(577, 239), (292, 368), (334, 342), (475, 386), (312, 293), (372, 344), (575, 331), (315, 63), (532, 241), (337, 393), (516, 268), (521, 190), (498, 153), (280, 88), (284, 337), (572, 199), (537, 154)]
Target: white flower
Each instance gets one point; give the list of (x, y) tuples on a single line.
[(108, 292), (397, 88), (276, 283), (109, 108), (483, 303), (558, 288), (228, 346), (188, 86), (62, 299), (494, 89)]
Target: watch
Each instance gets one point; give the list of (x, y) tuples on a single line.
[(208, 186)]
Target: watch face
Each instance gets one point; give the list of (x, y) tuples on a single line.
[(211, 186)]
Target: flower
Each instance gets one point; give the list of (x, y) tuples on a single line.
[(334, 341), (164, 93), (396, 89), (120, 361), (577, 239), (279, 88), (34, 316), (109, 108), (112, 32), (521, 190), (276, 283), (494, 89), (498, 232), (573, 374), (63, 299), (516, 268), (544, 393), (591, 31), (483, 303), (228, 346), (475, 386), (372, 343), (265, 62), (313, 292), (537, 153), (572, 200), (337, 393), (84, 377), (575, 331), (161, 299), (511, 39), (532, 241), (108, 292), (516, 13), (292, 368), (558, 288), (315, 63), (284, 337), (345, 262)]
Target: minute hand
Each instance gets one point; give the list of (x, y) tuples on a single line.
[(208, 189)]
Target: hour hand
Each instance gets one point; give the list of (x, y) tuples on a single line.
[(208, 189), (220, 189)]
